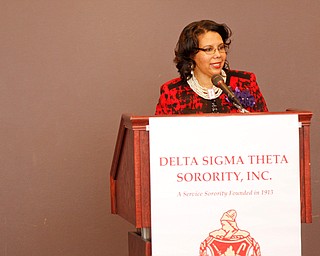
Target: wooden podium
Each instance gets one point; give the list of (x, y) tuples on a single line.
[(130, 176)]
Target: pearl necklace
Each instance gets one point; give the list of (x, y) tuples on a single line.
[(203, 92)]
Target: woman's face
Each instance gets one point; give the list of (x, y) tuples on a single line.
[(208, 65)]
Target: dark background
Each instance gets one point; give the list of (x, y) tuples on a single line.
[(69, 69)]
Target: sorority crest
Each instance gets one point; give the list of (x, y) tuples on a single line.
[(229, 240)]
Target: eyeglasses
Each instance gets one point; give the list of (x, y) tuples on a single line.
[(222, 48)]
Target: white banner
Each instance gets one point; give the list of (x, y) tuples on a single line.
[(225, 185)]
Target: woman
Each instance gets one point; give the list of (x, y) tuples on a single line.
[(201, 53)]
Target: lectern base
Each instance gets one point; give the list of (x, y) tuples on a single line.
[(137, 245)]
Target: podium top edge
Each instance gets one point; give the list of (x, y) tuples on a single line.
[(288, 111), (140, 122)]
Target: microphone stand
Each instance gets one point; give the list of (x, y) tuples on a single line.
[(241, 109), (218, 81)]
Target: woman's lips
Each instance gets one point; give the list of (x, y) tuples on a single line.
[(216, 65)]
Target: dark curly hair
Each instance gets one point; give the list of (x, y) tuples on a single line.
[(188, 42)]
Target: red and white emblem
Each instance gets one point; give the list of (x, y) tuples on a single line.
[(229, 240)]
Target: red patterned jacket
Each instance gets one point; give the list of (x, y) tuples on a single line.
[(176, 96)]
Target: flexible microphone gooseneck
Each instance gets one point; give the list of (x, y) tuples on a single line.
[(218, 81)]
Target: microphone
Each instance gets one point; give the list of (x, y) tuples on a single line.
[(217, 80)]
